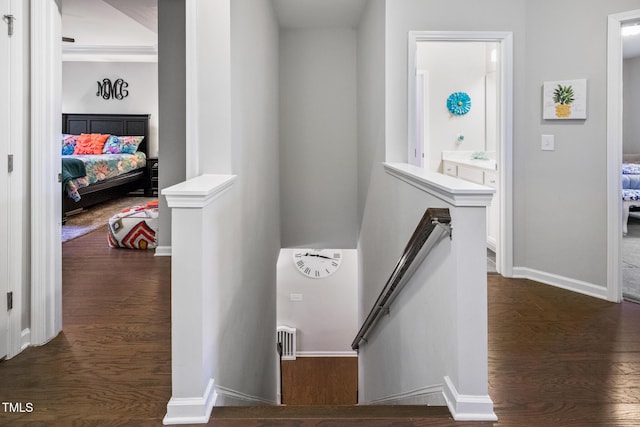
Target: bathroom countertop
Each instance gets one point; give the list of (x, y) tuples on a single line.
[(466, 158)]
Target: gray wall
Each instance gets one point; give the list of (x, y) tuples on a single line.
[(318, 176), (172, 105), (572, 246), (371, 88), (250, 317), (631, 92)]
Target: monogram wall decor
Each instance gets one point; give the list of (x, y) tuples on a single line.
[(115, 90)]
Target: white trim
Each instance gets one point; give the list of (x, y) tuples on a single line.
[(109, 53), (456, 192), (163, 251), (466, 407), (504, 254), (347, 353), (25, 338), (46, 211), (197, 192), (562, 282), (614, 152), (226, 394), (192, 96), (191, 410), (430, 395), (18, 219)]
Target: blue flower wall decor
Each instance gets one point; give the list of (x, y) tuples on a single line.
[(459, 103)]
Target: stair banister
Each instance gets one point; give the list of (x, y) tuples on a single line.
[(435, 223)]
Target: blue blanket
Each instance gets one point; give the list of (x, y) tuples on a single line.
[(71, 169)]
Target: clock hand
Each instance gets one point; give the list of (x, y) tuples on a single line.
[(320, 256)]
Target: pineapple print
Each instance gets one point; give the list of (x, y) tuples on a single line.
[(563, 97)]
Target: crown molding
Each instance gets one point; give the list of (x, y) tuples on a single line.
[(105, 53)]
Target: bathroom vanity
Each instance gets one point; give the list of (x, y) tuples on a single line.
[(481, 168)]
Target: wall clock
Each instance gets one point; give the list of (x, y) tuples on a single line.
[(317, 263), (459, 103)]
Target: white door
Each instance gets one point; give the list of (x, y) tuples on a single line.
[(4, 174)]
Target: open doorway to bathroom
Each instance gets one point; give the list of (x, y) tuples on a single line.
[(468, 137)]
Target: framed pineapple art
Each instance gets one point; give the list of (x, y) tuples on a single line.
[(566, 99)]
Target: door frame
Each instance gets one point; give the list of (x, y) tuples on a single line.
[(17, 277), (504, 255), (614, 150), (46, 210)]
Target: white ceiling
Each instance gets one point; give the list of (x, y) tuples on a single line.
[(144, 12), (110, 22)]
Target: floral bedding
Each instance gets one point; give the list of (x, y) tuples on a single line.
[(101, 167), (631, 168)]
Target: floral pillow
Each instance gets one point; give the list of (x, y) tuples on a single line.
[(122, 144), (90, 143), (112, 146), (68, 144), (129, 144)]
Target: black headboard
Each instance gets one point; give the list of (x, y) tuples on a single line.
[(114, 124)]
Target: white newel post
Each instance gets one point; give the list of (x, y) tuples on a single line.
[(200, 210)]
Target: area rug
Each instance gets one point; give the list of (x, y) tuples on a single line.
[(631, 260), (88, 220)]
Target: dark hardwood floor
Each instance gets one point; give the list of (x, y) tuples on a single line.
[(555, 358)]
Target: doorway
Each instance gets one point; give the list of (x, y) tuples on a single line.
[(615, 150), (5, 84), (490, 136)]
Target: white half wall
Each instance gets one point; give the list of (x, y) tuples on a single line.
[(324, 311)]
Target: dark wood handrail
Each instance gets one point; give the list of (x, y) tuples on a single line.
[(419, 245)]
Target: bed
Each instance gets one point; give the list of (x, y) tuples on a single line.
[(630, 186), (109, 175)]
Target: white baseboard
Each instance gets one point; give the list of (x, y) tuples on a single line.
[(562, 282), (25, 340), (229, 397), (326, 354), (430, 396), (191, 410), (163, 251), (465, 407)]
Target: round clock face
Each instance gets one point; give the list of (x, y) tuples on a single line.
[(317, 263)]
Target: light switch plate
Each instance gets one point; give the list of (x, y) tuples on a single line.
[(548, 142), (295, 297)]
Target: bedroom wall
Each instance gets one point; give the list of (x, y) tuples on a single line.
[(325, 318), (631, 124), (318, 132), (79, 88)]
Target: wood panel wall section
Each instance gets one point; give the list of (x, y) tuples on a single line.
[(320, 381)]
